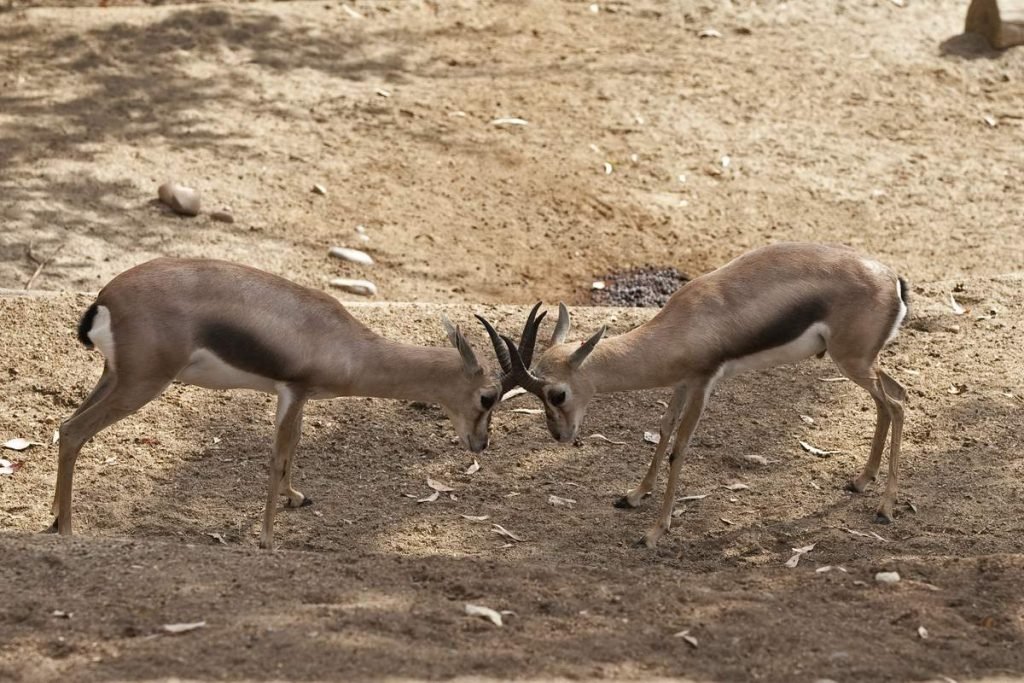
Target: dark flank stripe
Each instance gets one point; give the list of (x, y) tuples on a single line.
[(786, 327), (85, 324), (241, 349)]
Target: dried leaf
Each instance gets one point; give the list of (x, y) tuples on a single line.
[(685, 635), (833, 379), (807, 419), (651, 437), (597, 285), (509, 121), (607, 168), (56, 437), (512, 393), (558, 501), (798, 553), (60, 614), (602, 437), (700, 496), (727, 521), (20, 444), (438, 486), (411, 495), (319, 189), (474, 468), (528, 411), (923, 632), (184, 628), (709, 33), (957, 389), (6, 466), (913, 508), (383, 93), (756, 459), (663, 404), (351, 12), (990, 120), (429, 499), (822, 570), (737, 486), (476, 518), (487, 613), (217, 537), (887, 577), (816, 451), (502, 531), (957, 308)]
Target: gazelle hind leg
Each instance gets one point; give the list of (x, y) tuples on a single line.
[(693, 409), (289, 429), (669, 421), (103, 385), (123, 398), (888, 395), (895, 394), (882, 422)]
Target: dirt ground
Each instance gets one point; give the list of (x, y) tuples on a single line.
[(875, 124)]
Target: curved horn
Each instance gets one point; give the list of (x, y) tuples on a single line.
[(562, 326), (502, 351), (526, 379), (580, 354), (528, 340)]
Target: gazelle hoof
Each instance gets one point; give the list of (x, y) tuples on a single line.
[(640, 542), (623, 503), (52, 529), (854, 487), (882, 518), (306, 502)]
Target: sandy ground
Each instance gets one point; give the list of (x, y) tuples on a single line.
[(862, 124)]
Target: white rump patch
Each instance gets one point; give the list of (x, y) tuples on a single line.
[(900, 316), (101, 334), (207, 369), (813, 341)]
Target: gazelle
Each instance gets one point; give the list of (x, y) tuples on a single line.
[(774, 305), (222, 325)]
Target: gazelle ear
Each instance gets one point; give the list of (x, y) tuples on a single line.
[(580, 354), (450, 330), (470, 365), (562, 326)]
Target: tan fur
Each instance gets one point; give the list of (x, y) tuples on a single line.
[(687, 345), (158, 309)]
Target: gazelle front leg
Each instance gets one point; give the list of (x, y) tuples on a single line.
[(289, 428), (669, 421), (692, 410)]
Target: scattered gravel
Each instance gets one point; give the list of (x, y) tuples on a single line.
[(646, 286)]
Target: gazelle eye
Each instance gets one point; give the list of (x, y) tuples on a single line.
[(557, 398), (487, 401)]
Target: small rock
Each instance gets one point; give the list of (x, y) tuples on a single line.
[(182, 200), (360, 287), (224, 216), (353, 255), (320, 189), (887, 577)]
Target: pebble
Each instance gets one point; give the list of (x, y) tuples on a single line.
[(224, 216), (182, 200), (320, 189), (353, 255), (647, 286), (887, 577), (360, 287)]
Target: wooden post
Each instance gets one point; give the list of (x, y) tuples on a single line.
[(1001, 22)]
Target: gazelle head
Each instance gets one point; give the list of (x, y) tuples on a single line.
[(474, 392), (557, 379)]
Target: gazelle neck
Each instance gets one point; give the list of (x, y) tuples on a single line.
[(639, 359), (390, 369)]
